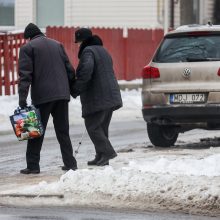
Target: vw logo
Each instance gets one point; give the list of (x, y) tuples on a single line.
[(186, 73)]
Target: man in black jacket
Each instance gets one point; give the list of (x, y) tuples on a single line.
[(44, 65), (99, 92)]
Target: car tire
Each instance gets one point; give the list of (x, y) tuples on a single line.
[(162, 135)]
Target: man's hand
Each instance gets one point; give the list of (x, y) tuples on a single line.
[(22, 103)]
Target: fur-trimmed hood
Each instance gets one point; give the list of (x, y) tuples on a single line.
[(94, 40)]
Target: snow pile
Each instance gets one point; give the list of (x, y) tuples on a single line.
[(135, 81), (208, 166), (166, 183), (109, 180), (8, 105), (131, 108)]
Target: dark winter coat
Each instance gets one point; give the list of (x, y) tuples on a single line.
[(44, 65), (95, 79)]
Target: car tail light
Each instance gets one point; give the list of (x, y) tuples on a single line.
[(218, 72), (150, 72)]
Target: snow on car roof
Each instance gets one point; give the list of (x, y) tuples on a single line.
[(194, 28)]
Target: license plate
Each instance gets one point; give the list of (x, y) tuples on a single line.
[(183, 98)]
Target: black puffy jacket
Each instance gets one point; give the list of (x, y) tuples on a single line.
[(95, 79), (44, 65)]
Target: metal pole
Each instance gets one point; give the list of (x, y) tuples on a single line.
[(166, 16), (6, 64), (125, 57), (172, 14)]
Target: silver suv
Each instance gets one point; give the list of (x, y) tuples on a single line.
[(181, 85)]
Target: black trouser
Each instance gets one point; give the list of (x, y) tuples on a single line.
[(59, 111), (97, 127)]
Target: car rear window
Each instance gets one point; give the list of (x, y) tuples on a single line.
[(189, 48)]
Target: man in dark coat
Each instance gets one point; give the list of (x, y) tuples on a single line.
[(44, 65), (99, 92)]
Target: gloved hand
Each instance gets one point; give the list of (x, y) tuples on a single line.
[(22, 103)]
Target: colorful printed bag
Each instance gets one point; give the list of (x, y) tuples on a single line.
[(27, 123)]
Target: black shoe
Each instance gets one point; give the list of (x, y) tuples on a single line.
[(94, 161), (105, 159), (68, 168), (30, 171)]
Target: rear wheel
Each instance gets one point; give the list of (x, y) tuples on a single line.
[(162, 135)]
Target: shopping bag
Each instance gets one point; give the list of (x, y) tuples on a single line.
[(27, 123)]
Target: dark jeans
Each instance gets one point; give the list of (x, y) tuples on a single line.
[(97, 127), (59, 111)]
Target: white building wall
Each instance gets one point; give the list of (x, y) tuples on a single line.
[(25, 12), (112, 13), (176, 12)]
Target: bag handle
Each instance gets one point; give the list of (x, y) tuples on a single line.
[(19, 110)]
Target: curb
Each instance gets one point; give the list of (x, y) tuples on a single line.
[(60, 196)]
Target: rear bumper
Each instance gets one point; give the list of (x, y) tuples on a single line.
[(183, 114)]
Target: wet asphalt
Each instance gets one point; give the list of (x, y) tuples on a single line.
[(59, 213)]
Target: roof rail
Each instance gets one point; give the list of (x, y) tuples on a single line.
[(188, 26)]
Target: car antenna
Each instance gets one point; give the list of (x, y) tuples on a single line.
[(209, 23)]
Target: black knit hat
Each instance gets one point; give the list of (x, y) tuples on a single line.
[(31, 31), (82, 34)]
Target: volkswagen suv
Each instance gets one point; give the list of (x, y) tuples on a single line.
[(181, 85)]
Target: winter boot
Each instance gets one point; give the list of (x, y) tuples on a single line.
[(30, 171), (105, 159), (94, 161), (67, 168)]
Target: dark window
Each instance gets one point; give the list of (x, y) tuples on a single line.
[(189, 49), (189, 12), (7, 12)]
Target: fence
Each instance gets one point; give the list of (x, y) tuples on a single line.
[(130, 53), (9, 51)]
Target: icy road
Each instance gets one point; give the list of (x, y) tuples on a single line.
[(184, 178), (58, 213)]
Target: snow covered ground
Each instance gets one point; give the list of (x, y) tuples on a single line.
[(183, 178), (176, 180), (131, 109)]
